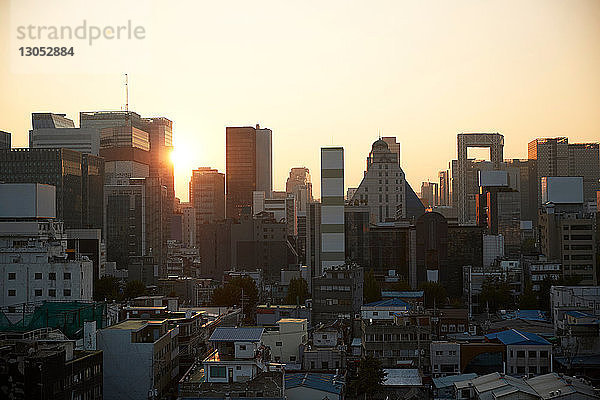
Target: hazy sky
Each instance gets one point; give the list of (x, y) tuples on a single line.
[(338, 72)]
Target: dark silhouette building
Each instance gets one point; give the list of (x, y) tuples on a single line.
[(432, 247)]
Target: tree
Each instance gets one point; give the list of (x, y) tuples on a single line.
[(434, 292), (368, 379), (371, 289), (106, 288), (528, 300), (546, 284), (297, 291), (134, 289), (495, 294), (230, 295)]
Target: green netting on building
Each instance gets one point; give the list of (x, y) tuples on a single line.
[(66, 316)]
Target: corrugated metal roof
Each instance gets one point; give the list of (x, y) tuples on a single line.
[(405, 294), (324, 382), (223, 334), (446, 381), (513, 336), (389, 303), (402, 377)]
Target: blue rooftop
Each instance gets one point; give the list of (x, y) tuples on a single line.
[(580, 314), (515, 337), (403, 294), (389, 303), (324, 382), (223, 334), (526, 315)]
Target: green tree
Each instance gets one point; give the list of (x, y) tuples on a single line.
[(371, 289), (368, 379), (230, 295), (107, 288), (528, 300), (546, 284), (134, 289), (496, 294), (297, 291), (434, 292)]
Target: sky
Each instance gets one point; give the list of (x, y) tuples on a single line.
[(321, 73)]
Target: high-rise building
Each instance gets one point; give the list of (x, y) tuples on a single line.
[(357, 220), (432, 248), (332, 207), (393, 145), (249, 166), (56, 131), (383, 186), (189, 232), (5, 140), (283, 209), (429, 194), (557, 157), (313, 237), (300, 185), (207, 195), (77, 177), (464, 196), (444, 188), (392, 249)]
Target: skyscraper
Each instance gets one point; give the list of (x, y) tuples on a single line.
[(207, 195), (56, 131), (429, 194), (332, 207), (78, 179), (383, 186), (556, 157), (4, 140), (444, 190), (299, 184), (249, 168)]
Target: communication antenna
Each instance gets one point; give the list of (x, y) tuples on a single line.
[(126, 93)]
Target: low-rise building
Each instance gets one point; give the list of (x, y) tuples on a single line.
[(286, 341), (142, 352), (269, 314), (526, 353), (337, 294), (445, 358), (314, 386)]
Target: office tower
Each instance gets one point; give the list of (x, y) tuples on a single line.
[(207, 195), (248, 166), (356, 229), (189, 235), (76, 176), (160, 135), (567, 231), (264, 160), (332, 207), (432, 249), (557, 157), (465, 197), (465, 248), (429, 194), (313, 237), (283, 209), (523, 174), (444, 188), (383, 186), (300, 185), (392, 247), (393, 146), (34, 261), (134, 222), (56, 131), (4, 140)]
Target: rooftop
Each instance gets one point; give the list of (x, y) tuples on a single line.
[(548, 385), (515, 337), (329, 383), (402, 377), (447, 381), (134, 324), (244, 334), (403, 294), (395, 302), (528, 315)]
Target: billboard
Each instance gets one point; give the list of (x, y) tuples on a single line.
[(562, 189), (27, 200)]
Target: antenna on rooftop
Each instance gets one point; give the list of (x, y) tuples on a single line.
[(126, 93)]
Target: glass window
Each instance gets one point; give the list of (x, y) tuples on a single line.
[(12, 276), (67, 292), (12, 292), (67, 276), (52, 276), (218, 372), (38, 292), (38, 275), (52, 292)]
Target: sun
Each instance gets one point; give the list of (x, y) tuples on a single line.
[(183, 158)]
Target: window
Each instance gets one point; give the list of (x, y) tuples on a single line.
[(521, 354), (278, 344), (543, 354), (52, 292), (242, 347), (52, 276), (324, 365), (439, 353), (38, 276), (12, 292), (532, 369), (218, 372), (238, 367), (38, 292), (292, 358), (67, 276), (520, 370), (67, 292), (531, 354), (12, 276)]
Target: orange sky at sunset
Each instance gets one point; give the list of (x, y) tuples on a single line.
[(338, 72)]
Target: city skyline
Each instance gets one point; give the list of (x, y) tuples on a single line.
[(529, 72)]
